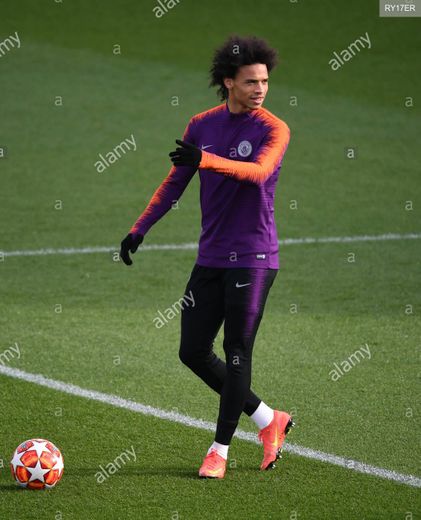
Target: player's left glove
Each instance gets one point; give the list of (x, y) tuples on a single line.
[(186, 155), (130, 243)]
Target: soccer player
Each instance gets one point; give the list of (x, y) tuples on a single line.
[(238, 147)]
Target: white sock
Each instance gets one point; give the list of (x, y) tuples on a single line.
[(263, 416), (222, 449)]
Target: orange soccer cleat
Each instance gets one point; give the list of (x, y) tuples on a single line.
[(273, 437), (213, 466)]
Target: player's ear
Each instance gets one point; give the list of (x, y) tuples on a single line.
[(228, 82)]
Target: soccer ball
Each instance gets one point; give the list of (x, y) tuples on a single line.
[(37, 464)]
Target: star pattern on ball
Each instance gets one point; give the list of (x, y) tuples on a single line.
[(37, 473), (15, 462), (39, 446), (59, 464)]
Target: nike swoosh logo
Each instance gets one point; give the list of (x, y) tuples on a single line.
[(213, 471), (276, 438), (238, 285), (204, 146)]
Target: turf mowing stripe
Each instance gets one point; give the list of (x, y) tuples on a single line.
[(114, 400), (193, 245)]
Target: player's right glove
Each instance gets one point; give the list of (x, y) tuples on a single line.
[(130, 243), (186, 154)]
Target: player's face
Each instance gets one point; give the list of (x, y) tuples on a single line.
[(248, 89)]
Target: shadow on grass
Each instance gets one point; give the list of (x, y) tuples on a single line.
[(249, 471), (172, 472), (186, 474), (11, 487)]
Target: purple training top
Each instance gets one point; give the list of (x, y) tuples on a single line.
[(241, 158)]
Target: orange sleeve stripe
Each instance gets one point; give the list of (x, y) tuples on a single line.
[(212, 110), (155, 200), (265, 163), (156, 197)]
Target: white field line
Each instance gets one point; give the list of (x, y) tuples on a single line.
[(193, 245), (119, 402)]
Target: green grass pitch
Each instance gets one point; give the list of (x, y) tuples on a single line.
[(347, 294)]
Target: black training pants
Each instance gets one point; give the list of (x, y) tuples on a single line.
[(235, 296)]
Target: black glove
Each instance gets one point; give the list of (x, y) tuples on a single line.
[(130, 243), (186, 155)]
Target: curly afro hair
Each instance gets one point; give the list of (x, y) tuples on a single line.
[(236, 52)]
